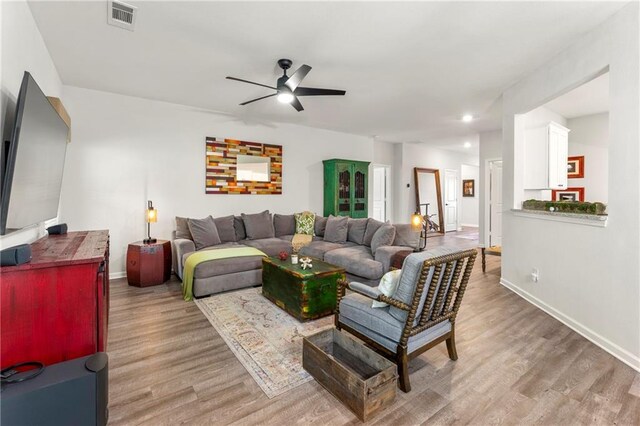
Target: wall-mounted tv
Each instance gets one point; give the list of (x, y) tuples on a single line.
[(33, 161)]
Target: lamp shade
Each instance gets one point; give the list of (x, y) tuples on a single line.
[(152, 213), (416, 221)]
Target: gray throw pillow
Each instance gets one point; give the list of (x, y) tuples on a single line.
[(182, 228), (383, 237), (284, 224), (259, 225), (357, 228), (372, 227), (226, 230), (406, 236), (320, 225), (204, 232), (337, 229), (238, 224)]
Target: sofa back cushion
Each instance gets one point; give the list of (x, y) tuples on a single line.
[(305, 222), (372, 227), (238, 225), (337, 229), (406, 236), (226, 228), (182, 228), (320, 225), (384, 236), (284, 224), (204, 232), (356, 230), (259, 225)]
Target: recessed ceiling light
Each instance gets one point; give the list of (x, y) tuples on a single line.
[(467, 118), (467, 144)]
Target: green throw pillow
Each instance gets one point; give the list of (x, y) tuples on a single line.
[(305, 222)]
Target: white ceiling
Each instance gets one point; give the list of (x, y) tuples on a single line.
[(411, 70), (590, 98)]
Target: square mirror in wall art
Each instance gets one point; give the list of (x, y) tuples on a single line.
[(252, 168)]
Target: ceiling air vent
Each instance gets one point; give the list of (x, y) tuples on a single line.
[(121, 15)]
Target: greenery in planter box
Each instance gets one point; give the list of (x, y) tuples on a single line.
[(577, 207)]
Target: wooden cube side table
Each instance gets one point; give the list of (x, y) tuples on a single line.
[(148, 264)]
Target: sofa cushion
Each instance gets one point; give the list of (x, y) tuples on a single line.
[(406, 236), (318, 249), (320, 225), (356, 260), (231, 265), (238, 225), (356, 230), (372, 227), (204, 232), (226, 228), (384, 236), (305, 222), (259, 225), (270, 246), (182, 228), (284, 224), (337, 229), (378, 324)]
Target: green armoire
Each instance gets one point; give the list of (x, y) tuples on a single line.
[(346, 188)]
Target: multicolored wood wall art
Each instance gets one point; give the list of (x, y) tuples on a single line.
[(221, 167)]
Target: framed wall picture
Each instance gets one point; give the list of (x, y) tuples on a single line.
[(469, 188), (575, 167), (569, 194)]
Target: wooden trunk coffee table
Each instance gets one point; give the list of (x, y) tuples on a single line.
[(304, 294)]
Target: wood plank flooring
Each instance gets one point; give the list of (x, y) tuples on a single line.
[(516, 365)]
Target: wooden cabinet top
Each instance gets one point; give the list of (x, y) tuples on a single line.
[(68, 249)]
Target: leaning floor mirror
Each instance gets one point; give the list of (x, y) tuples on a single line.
[(429, 198)]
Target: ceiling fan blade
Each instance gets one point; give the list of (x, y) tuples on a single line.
[(296, 104), (251, 82), (312, 91), (296, 78), (257, 99)]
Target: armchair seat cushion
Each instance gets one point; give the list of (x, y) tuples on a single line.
[(377, 324), (357, 260), (318, 248)]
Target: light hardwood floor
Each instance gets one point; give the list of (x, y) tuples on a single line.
[(516, 365)]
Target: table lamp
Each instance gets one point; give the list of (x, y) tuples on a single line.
[(419, 223), (152, 217)]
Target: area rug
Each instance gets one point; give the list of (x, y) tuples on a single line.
[(264, 338), (472, 236)]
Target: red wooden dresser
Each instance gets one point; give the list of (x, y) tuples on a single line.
[(56, 307)]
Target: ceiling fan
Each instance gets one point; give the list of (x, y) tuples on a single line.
[(288, 88)]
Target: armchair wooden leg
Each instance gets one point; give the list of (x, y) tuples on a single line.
[(403, 370), (451, 345), (484, 261)]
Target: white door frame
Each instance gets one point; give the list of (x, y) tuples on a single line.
[(388, 189), (487, 198)]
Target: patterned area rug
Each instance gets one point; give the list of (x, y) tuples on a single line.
[(264, 338)]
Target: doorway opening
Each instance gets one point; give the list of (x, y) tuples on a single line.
[(381, 192)]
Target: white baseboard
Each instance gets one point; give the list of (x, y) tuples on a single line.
[(470, 226), (116, 275), (623, 355)]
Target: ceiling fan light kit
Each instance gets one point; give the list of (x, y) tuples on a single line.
[(288, 87)]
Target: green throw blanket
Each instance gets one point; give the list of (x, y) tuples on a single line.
[(196, 258)]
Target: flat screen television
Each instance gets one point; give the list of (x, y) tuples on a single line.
[(33, 161)]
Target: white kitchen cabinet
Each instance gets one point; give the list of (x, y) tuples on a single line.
[(546, 150)]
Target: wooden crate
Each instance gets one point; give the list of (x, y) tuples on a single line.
[(357, 376)]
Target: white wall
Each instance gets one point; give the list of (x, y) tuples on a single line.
[(490, 149), (589, 276), (410, 155), (22, 50), (127, 150), (469, 216), (589, 136)]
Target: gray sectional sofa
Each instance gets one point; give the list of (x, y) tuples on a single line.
[(354, 244)]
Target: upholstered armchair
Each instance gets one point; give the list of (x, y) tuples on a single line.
[(421, 313)]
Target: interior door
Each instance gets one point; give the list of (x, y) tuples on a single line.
[(495, 204), (380, 194), (450, 200)]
